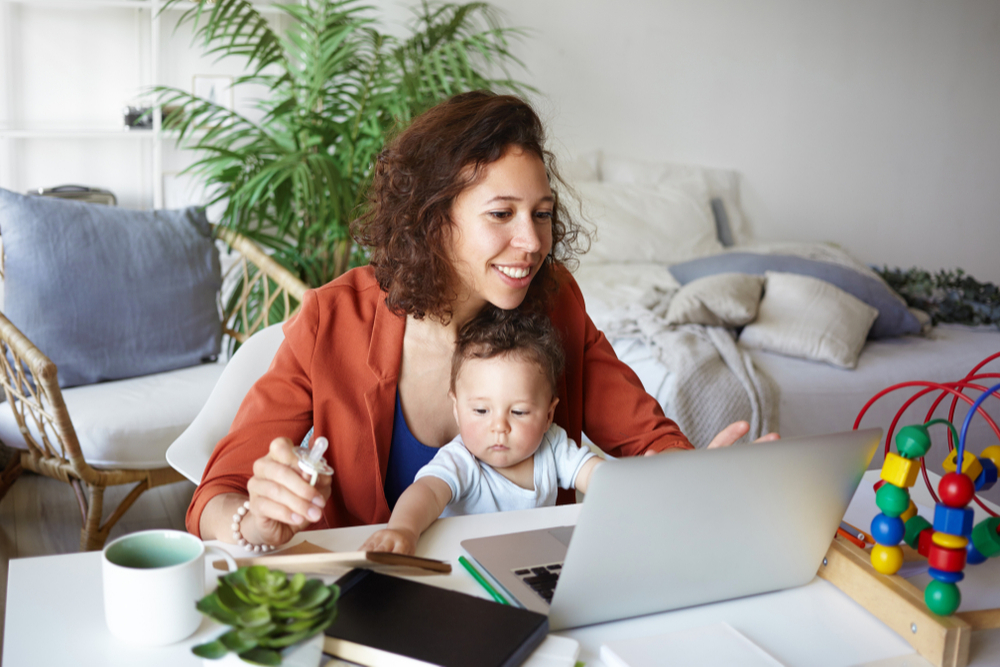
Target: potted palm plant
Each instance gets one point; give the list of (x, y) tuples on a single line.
[(336, 85)]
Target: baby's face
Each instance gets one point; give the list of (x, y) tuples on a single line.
[(503, 407)]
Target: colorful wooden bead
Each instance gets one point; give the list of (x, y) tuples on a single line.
[(892, 500), (949, 560), (970, 464), (956, 490), (985, 537), (988, 477), (972, 555), (913, 441), (899, 471), (886, 559), (910, 512), (954, 520), (942, 598), (887, 530), (925, 541), (949, 541), (993, 454), (946, 577), (914, 526)]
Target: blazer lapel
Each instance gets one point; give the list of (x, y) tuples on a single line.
[(384, 357)]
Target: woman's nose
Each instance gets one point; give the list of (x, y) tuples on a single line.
[(526, 236)]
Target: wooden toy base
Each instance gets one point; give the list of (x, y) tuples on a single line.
[(942, 640)]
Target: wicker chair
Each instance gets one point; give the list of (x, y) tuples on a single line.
[(29, 381)]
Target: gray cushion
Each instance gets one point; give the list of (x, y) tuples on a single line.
[(109, 293), (894, 319)]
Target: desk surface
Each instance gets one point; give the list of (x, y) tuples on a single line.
[(55, 614)]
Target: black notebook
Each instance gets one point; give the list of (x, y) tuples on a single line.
[(388, 621)]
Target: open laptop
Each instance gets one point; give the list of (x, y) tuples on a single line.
[(686, 528)]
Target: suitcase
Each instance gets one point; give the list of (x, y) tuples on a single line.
[(78, 193)]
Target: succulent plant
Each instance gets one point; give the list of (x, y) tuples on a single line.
[(267, 611)]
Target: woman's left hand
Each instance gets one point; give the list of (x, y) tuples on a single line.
[(734, 432)]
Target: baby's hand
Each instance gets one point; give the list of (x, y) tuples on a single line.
[(397, 541)]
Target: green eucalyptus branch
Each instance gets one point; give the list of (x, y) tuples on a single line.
[(947, 296)]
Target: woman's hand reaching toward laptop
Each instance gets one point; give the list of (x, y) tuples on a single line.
[(729, 435)]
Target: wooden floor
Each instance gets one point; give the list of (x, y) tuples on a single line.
[(40, 516)]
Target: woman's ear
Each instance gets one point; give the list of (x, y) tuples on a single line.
[(552, 409)]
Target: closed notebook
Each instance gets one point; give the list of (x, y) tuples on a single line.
[(385, 621)]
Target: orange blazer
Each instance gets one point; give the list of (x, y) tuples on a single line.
[(338, 367)]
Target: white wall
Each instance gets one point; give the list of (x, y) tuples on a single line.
[(875, 125)]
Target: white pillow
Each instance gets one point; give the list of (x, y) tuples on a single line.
[(635, 224), (584, 167), (806, 317), (720, 300), (726, 184)]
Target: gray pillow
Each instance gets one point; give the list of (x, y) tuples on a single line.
[(109, 293), (894, 318)]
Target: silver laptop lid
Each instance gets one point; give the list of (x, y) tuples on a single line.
[(688, 528)]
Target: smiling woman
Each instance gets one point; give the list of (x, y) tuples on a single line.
[(461, 218)]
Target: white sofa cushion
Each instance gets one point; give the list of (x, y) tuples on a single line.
[(148, 414)]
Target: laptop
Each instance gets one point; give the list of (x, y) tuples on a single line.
[(686, 528)]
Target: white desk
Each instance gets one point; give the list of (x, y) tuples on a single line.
[(55, 614)]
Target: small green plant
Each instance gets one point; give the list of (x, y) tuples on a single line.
[(267, 611), (947, 296)]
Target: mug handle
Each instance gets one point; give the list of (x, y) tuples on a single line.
[(230, 561)]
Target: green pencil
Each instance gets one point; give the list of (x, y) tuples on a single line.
[(482, 580)]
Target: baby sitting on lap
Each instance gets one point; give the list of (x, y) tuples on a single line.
[(508, 454)]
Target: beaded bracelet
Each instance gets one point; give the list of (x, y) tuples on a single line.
[(238, 535)]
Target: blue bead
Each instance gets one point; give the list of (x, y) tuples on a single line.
[(946, 577), (972, 555), (953, 520), (888, 530), (988, 477)]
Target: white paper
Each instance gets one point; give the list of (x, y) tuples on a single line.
[(717, 645)]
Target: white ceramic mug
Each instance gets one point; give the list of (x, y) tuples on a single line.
[(152, 581)]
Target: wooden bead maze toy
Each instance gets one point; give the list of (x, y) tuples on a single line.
[(929, 620)]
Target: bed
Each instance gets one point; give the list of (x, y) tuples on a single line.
[(667, 231)]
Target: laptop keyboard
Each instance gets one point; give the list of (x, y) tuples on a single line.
[(542, 579)]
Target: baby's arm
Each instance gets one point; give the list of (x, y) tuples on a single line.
[(583, 477), (421, 503)]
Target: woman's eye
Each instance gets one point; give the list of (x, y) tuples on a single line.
[(500, 215), (545, 215)]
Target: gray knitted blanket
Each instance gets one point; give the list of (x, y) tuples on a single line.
[(716, 380)]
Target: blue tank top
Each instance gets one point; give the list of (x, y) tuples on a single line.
[(407, 455)]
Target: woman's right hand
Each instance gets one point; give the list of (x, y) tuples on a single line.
[(281, 500)]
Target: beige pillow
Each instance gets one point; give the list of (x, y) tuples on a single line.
[(806, 317), (720, 300)]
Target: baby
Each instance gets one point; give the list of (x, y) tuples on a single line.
[(508, 454)]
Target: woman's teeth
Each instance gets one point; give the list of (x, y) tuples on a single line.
[(512, 272)]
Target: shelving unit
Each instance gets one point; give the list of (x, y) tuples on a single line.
[(76, 144)]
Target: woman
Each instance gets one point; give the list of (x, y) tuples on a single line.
[(461, 216)]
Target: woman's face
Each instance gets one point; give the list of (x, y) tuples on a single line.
[(501, 232)]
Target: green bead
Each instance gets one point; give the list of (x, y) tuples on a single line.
[(985, 537), (913, 441), (916, 525), (941, 598), (892, 500)]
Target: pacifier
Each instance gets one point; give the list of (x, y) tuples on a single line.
[(311, 460)]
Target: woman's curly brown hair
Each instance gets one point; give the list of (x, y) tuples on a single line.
[(406, 223)]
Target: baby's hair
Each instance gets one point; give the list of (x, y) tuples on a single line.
[(495, 332)]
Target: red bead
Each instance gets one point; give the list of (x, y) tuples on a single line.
[(956, 489), (924, 541), (949, 560), (878, 484)]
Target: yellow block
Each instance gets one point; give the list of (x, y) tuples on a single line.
[(993, 454), (971, 466), (949, 541), (899, 471), (910, 512)]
